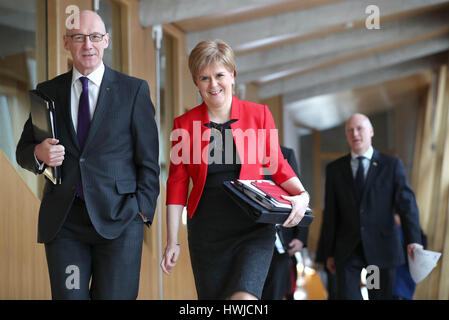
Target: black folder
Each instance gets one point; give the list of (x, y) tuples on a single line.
[(259, 213), (44, 126)]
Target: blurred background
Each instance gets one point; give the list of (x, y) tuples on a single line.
[(313, 62)]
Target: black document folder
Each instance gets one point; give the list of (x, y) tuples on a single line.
[(258, 212), (44, 126)]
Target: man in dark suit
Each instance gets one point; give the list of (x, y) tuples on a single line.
[(92, 223), (330, 279), (363, 191), (279, 279)]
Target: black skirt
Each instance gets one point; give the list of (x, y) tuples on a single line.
[(229, 252)]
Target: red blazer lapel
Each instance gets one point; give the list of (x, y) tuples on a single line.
[(201, 147), (246, 121)]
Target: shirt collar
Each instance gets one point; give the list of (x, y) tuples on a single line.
[(368, 154), (95, 76)]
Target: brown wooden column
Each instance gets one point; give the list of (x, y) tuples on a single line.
[(433, 185)]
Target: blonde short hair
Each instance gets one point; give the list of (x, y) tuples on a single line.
[(207, 53)]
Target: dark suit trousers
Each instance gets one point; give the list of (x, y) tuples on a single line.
[(278, 280), (348, 278), (79, 254)]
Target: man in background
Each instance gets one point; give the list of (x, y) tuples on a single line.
[(363, 191), (281, 278)]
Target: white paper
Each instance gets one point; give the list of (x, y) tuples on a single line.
[(256, 190), (423, 264), (278, 244)]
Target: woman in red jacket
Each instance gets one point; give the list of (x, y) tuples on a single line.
[(222, 139)]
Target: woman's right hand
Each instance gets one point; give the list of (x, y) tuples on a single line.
[(170, 258)]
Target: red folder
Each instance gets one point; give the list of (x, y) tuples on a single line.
[(272, 190), (255, 208)]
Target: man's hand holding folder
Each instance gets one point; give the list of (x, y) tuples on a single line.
[(47, 151), (50, 152)]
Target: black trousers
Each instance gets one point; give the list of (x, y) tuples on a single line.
[(278, 280), (348, 278), (79, 255), (331, 285)]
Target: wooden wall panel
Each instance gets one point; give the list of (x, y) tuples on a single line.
[(58, 57), (252, 94), (318, 194), (433, 188), (442, 223), (180, 283), (140, 63), (439, 206), (185, 90), (425, 165), (23, 266)]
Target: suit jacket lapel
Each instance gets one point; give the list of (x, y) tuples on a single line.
[(64, 97), (235, 114), (348, 177), (104, 100), (197, 141)]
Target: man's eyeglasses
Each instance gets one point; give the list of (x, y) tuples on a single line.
[(94, 37)]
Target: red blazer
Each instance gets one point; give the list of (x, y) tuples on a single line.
[(256, 141)]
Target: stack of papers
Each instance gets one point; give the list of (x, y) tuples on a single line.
[(259, 207), (267, 200), (423, 263)]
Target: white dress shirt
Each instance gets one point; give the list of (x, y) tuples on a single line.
[(366, 161), (76, 88), (95, 79)]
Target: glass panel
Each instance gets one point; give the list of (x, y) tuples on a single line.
[(111, 14), (167, 102), (22, 65)]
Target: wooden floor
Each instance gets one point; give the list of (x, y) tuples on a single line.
[(309, 286)]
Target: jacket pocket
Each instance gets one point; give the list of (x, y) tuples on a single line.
[(126, 186)]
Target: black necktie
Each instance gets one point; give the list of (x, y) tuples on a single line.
[(359, 178)]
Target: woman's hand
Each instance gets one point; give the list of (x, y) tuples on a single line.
[(170, 258), (172, 249), (299, 206)]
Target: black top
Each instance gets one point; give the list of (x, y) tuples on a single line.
[(228, 250), (222, 157)]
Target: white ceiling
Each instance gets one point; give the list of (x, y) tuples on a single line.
[(317, 54)]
